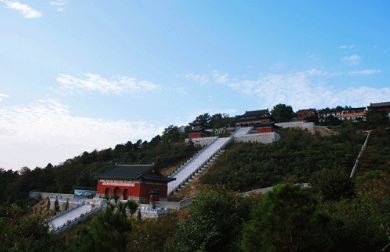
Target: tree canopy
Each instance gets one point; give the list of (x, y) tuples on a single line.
[(282, 113)]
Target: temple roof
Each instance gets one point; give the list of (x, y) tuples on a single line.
[(254, 114), (380, 104), (261, 112), (133, 172)]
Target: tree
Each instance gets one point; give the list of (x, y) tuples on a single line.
[(48, 203), (215, 219), (202, 120), (171, 134), (376, 119), (151, 235), (132, 206), (108, 232), (332, 184), (67, 204), (23, 233), (219, 121), (56, 205), (282, 113), (285, 220)]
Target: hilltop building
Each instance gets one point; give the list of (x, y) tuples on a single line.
[(307, 115), (352, 114), (261, 120), (197, 131), (138, 182), (381, 106)]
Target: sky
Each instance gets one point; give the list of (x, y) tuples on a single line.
[(82, 75)]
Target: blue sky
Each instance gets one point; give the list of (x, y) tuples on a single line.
[(80, 75)]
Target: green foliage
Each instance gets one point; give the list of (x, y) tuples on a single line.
[(67, 204), (332, 184), (56, 205), (376, 156), (215, 121), (48, 204), (151, 235), (297, 155), (285, 220), (108, 232), (214, 223), (354, 226), (282, 113), (376, 119), (172, 135), (6, 177), (164, 151), (132, 206), (290, 219), (23, 233)]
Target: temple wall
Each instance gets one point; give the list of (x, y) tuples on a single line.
[(264, 138), (300, 125), (136, 190)]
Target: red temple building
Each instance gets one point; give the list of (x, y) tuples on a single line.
[(138, 182), (261, 120), (307, 115), (197, 131)]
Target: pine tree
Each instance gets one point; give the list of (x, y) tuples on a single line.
[(56, 205), (48, 204), (67, 204)]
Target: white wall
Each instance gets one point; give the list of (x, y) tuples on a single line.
[(264, 138), (300, 125)]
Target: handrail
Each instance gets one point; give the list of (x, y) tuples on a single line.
[(76, 220), (181, 167), (65, 212), (230, 138)]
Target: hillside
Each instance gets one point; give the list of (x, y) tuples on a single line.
[(165, 151), (293, 159), (335, 214)]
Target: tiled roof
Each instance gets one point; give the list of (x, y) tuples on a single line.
[(125, 171), (254, 114), (379, 104), (133, 172), (260, 112)]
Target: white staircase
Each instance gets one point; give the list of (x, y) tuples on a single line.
[(202, 159), (72, 216), (242, 131)]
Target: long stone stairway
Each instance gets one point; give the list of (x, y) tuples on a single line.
[(202, 159), (68, 218)]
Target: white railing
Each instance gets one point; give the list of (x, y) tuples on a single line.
[(197, 163), (202, 159), (67, 218), (150, 212), (76, 220), (191, 159)]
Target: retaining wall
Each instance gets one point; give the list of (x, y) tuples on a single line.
[(300, 125), (264, 138)]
